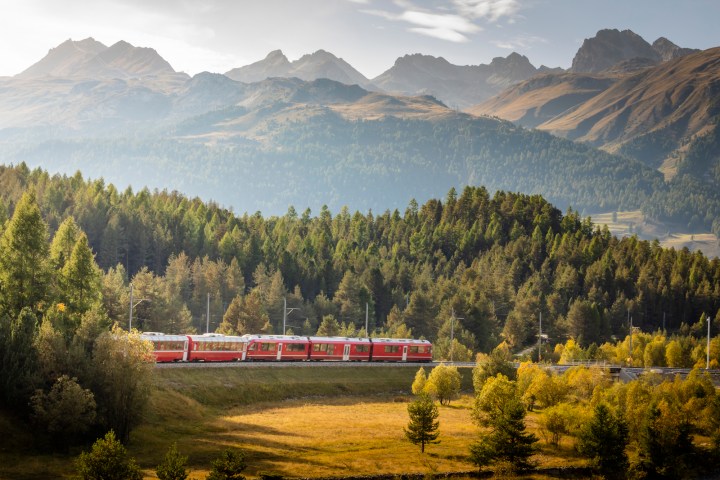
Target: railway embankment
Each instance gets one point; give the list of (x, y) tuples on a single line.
[(221, 387)]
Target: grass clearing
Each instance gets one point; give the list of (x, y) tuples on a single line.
[(296, 421), (669, 236)]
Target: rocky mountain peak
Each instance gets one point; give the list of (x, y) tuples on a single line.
[(609, 47), (65, 59), (669, 51)]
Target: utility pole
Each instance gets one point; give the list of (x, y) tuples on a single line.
[(663, 322), (133, 304), (540, 340), (707, 362), (286, 311), (131, 308), (366, 319), (452, 332), (631, 349), (207, 315)]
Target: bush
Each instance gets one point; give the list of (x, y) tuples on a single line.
[(174, 466), (443, 383), (228, 466), (107, 460)]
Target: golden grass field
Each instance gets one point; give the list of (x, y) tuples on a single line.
[(295, 422), (318, 435)]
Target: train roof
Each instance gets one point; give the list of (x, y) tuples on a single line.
[(249, 337), (216, 337), (339, 339), (162, 337), (400, 340)]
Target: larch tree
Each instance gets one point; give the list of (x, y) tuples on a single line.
[(423, 426), (24, 268), (82, 277), (63, 243), (418, 385)]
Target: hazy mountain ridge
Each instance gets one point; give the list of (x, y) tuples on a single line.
[(92, 59), (457, 86), (651, 113), (320, 64)]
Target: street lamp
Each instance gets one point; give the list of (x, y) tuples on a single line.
[(132, 306)]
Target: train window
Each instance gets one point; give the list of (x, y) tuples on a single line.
[(294, 347), (391, 348), (267, 347), (362, 348), (413, 349), (252, 347)]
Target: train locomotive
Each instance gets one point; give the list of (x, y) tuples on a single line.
[(214, 347)]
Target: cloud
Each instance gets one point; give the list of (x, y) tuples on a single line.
[(445, 26), (522, 41), (452, 21), (491, 10)]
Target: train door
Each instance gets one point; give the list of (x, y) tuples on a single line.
[(346, 353), (404, 359), (185, 351), (279, 352), (244, 351)]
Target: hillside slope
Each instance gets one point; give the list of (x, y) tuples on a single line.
[(651, 114)]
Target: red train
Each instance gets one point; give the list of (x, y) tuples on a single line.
[(213, 347)]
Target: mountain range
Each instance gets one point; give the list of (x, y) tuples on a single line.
[(653, 112), (316, 132)]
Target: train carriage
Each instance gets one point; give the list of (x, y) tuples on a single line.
[(167, 348), (340, 349), (401, 350), (214, 347), (277, 347)]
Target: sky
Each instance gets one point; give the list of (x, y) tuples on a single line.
[(218, 35)]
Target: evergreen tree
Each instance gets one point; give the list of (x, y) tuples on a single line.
[(423, 427), (19, 366), (82, 277), (499, 409), (173, 466), (603, 440), (107, 460), (228, 466), (63, 243), (24, 272), (329, 327)]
